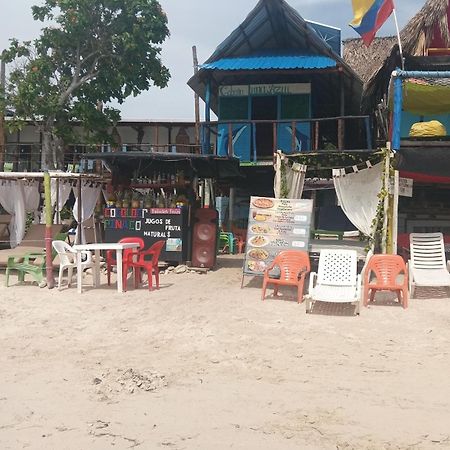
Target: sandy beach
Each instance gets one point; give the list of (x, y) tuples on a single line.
[(202, 364)]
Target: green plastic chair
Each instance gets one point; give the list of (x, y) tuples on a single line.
[(32, 263), (226, 242)]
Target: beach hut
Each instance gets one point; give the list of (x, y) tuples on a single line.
[(413, 98), (278, 82)]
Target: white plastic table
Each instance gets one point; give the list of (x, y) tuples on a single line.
[(118, 247)]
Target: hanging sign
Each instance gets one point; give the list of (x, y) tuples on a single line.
[(264, 89), (405, 187), (274, 225)]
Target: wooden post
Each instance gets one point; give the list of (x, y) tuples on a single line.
[(395, 212), (80, 223), (384, 240), (196, 99), (230, 139), (58, 221), (231, 202), (294, 129), (316, 136), (341, 138), (48, 232), (2, 117), (275, 138)]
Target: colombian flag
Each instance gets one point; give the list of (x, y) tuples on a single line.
[(370, 16)]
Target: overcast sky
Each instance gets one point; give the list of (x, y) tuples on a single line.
[(204, 23)]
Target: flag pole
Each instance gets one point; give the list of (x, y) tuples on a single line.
[(399, 40)]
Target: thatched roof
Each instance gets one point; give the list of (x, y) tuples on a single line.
[(376, 63), (417, 35), (367, 61)]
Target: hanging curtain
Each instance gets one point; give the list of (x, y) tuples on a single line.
[(65, 188), (32, 198), (357, 194), (12, 199), (294, 177), (89, 196)]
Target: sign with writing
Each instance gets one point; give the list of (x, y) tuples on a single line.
[(274, 225), (405, 187), (153, 224), (264, 89)]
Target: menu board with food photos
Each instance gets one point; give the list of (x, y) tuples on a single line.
[(274, 225)]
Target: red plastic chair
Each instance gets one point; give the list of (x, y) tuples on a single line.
[(150, 265), (385, 270), (294, 265), (111, 256)]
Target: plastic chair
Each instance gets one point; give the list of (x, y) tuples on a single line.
[(294, 265), (68, 261), (111, 257), (29, 263), (427, 266), (384, 271), (337, 280), (226, 241), (150, 265)]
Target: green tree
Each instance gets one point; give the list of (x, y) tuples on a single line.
[(89, 52)]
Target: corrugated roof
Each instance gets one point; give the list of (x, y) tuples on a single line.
[(267, 62)]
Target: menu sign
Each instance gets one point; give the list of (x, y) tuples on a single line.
[(152, 225), (275, 225)]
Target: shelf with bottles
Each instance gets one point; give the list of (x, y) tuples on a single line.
[(154, 198), (159, 185), (159, 179)]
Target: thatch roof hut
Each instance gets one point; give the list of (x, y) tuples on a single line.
[(428, 28), (431, 23), (367, 61)]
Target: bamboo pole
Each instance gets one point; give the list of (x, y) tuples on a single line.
[(48, 232), (196, 99), (384, 241)]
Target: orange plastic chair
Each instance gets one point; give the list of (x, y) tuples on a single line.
[(111, 256), (386, 269), (150, 265), (294, 265)]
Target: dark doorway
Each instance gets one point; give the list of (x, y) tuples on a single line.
[(264, 108)]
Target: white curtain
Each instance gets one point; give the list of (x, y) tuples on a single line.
[(64, 187), (12, 199), (89, 196), (357, 194), (295, 177), (32, 198)]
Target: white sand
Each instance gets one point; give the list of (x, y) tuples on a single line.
[(213, 367)]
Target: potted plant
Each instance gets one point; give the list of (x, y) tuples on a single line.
[(119, 199), (126, 199), (148, 200), (136, 199)]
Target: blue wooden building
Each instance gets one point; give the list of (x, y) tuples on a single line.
[(278, 82)]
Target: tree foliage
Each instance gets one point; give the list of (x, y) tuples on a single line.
[(88, 52)]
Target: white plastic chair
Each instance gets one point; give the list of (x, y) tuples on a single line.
[(427, 266), (337, 280), (68, 260)]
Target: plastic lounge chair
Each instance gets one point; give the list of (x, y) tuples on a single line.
[(32, 263), (111, 257), (293, 265), (68, 261), (427, 266), (337, 280), (381, 274), (150, 265)]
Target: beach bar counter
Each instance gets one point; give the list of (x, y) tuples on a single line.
[(155, 196), (152, 225)]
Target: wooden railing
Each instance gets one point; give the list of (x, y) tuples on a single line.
[(240, 137)]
